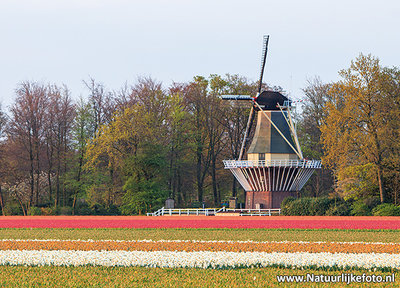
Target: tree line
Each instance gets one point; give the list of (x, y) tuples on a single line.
[(127, 151), (122, 151)]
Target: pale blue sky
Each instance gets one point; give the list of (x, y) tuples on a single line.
[(113, 41)]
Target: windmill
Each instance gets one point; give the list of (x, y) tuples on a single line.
[(275, 167)]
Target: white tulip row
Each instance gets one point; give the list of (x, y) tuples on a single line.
[(203, 259)]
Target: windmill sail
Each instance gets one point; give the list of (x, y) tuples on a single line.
[(263, 61), (252, 111)]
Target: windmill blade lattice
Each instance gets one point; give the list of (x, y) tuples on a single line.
[(263, 61), (253, 110)]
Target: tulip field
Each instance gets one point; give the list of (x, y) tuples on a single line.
[(234, 222), (194, 251)]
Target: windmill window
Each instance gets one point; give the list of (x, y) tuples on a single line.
[(261, 156)]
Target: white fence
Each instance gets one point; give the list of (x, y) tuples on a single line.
[(213, 211), (186, 211), (255, 212)]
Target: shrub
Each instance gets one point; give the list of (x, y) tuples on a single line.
[(372, 202), (142, 196), (386, 209), (113, 210), (287, 200), (6, 211), (285, 205), (33, 211), (359, 208), (98, 209), (83, 209), (306, 206), (341, 209), (48, 211), (319, 206), (298, 207), (13, 209), (65, 210)]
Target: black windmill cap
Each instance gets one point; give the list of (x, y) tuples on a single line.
[(271, 99)]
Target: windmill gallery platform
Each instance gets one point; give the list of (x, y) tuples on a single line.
[(269, 182)]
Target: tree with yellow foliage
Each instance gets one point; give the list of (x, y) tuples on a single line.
[(362, 120)]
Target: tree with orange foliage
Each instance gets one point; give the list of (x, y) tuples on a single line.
[(361, 119)]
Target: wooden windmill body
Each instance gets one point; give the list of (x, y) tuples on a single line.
[(275, 167)]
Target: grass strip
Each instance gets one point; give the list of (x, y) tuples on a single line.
[(261, 235), (95, 276)]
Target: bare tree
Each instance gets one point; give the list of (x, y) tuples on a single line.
[(26, 129), (60, 117), (3, 171), (102, 102), (316, 95)]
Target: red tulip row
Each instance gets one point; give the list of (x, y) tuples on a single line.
[(275, 222)]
